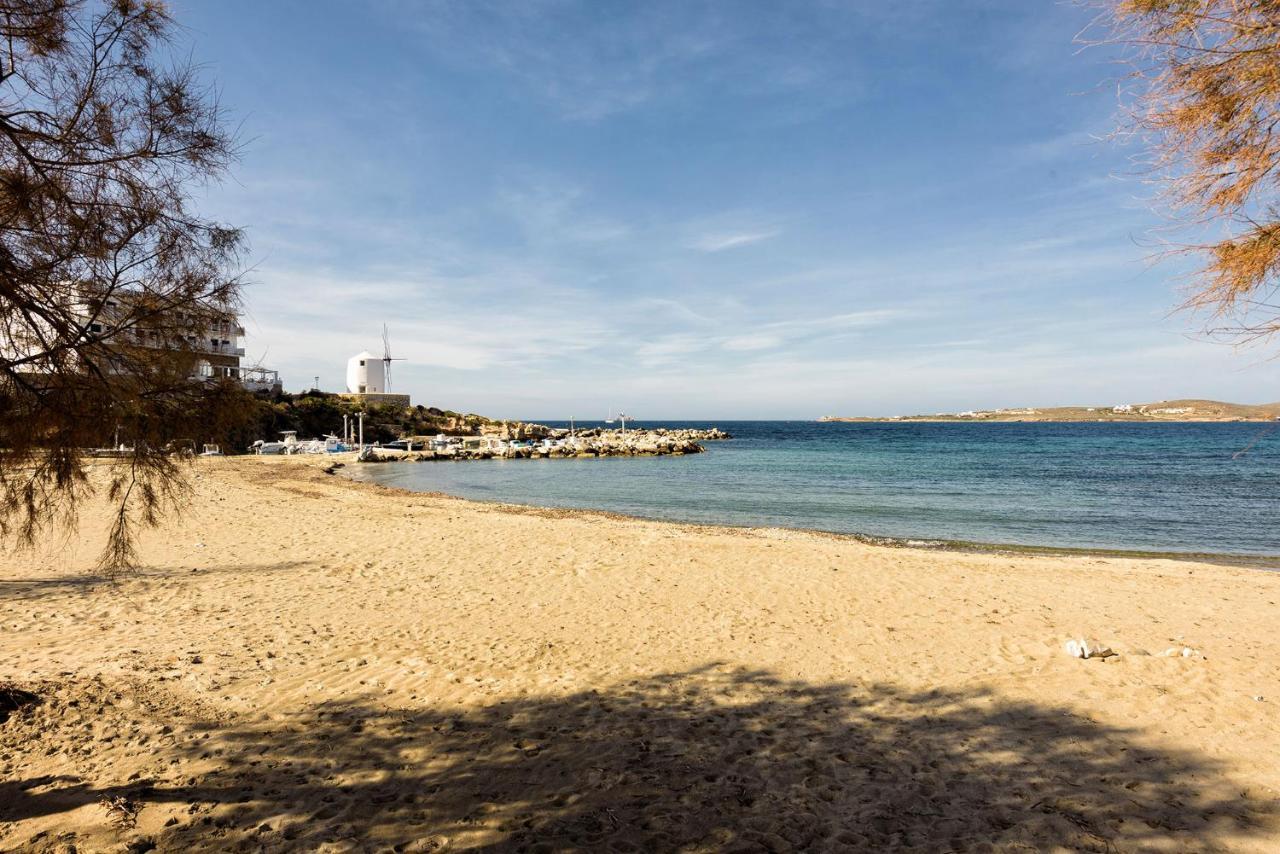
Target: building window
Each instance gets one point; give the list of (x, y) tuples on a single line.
[(362, 365), (362, 389)]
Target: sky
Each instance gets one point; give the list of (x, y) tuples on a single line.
[(699, 210)]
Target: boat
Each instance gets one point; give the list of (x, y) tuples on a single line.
[(285, 446)]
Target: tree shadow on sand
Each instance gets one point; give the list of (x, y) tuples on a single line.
[(714, 759), (81, 584)]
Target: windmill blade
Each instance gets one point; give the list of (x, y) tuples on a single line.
[(387, 357)]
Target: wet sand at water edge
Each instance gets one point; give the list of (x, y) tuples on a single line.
[(308, 663)]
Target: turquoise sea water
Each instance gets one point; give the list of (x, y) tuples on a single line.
[(1148, 487)]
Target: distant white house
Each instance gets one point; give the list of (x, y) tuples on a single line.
[(1123, 407)]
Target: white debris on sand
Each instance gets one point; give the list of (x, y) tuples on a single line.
[(1086, 648), (1180, 652)]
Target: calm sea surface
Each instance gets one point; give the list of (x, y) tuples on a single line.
[(1152, 487)]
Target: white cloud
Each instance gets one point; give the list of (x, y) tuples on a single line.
[(752, 342), (837, 322), (721, 242), (555, 210)]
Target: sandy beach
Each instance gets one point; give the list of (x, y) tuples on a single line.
[(308, 663)]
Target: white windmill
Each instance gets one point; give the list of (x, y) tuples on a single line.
[(367, 374)]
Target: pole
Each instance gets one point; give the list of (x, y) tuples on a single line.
[(346, 431), (361, 431)]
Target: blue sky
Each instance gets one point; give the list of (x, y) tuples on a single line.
[(702, 210)]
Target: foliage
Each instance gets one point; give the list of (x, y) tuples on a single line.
[(1207, 100), (108, 281), (315, 413)]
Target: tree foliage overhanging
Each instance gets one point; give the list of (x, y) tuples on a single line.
[(105, 270), (1206, 99)]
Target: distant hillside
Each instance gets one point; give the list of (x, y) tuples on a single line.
[(1163, 410)]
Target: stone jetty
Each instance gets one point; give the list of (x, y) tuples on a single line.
[(554, 444)]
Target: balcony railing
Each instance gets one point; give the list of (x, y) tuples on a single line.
[(254, 379), (217, 349)]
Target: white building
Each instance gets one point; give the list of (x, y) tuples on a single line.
[(122, 318), (367, 381), (366, 374)]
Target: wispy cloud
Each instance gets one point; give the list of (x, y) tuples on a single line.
[(721, 242), (736, 336), (839, 322), (551, 209), (454, 323), (746, 343), (590, 67)]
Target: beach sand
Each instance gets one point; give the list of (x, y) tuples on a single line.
[(308, 663)]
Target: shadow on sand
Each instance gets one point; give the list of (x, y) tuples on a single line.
[(44, 587), (715, 759)]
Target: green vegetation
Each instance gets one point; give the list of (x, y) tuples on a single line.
[(316, 413)]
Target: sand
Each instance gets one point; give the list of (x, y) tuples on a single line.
[(308, 663)]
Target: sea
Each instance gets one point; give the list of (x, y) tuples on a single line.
[(1176, 488)]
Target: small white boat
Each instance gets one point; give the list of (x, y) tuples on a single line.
[(282, 447)]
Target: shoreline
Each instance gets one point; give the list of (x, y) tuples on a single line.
[(1267, 563)]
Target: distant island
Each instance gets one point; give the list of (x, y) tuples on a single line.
[(1163, 410)]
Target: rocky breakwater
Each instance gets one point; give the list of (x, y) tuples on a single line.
[(625, 443), (559, 444)]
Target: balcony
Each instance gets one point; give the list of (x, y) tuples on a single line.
[(218, 349), (253, 379)]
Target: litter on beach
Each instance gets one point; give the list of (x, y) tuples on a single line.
[(1086, 648)]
